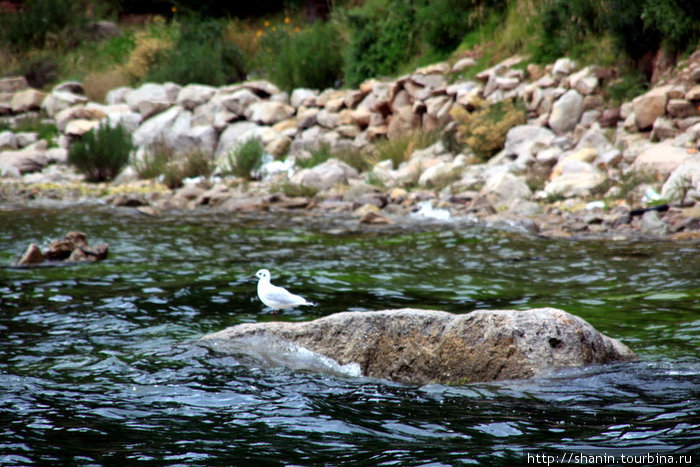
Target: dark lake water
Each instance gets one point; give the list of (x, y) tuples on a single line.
[(99, 362)]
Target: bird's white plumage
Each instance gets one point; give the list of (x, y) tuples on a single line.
[(276, 297)]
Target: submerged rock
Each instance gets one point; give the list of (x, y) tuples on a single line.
[(71, 248), (32, 255), (425, 346)]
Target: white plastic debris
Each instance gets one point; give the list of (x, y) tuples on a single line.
[(595, 205), (426, 209), (650, 195), (270, 167)]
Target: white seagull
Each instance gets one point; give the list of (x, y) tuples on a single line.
[(275, 297)]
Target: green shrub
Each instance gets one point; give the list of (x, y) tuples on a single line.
[(43, 22), (102, 152), (637, 27), (117, 49), (625, 22), (677, 21), (484, 129), (388, 36), (199, 55), (583, 19), (246, 159), (383, 36), (640, 27), (310, 58), (632, 83), (444, 23)]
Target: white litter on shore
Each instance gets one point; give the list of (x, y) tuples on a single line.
[(426, 209)]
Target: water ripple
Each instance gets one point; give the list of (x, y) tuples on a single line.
[(100, 363)]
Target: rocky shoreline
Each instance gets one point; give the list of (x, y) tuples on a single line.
[(577, 167)]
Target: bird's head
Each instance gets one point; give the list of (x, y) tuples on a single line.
[(263, 274)]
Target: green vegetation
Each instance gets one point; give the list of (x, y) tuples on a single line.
[(318, 156), (44, 23), (631, 180), (381, 39), (636, 27), (198, 55), (311, 57), (355, 158), (626, 87), (392, 36), (627, 187), (246, 159), (154, 161), (188, 165), (102, 152), (484, 129), (162, 161), (215, 43), (399, 149), (34, 124), (294, 190)]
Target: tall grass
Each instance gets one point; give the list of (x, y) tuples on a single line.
[(318, 156), (245, 160), (400, 149), (162, 162)]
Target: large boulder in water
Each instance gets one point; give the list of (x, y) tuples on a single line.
[(425, 346)]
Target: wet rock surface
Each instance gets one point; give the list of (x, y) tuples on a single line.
[(426, 346), (70, 249)]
